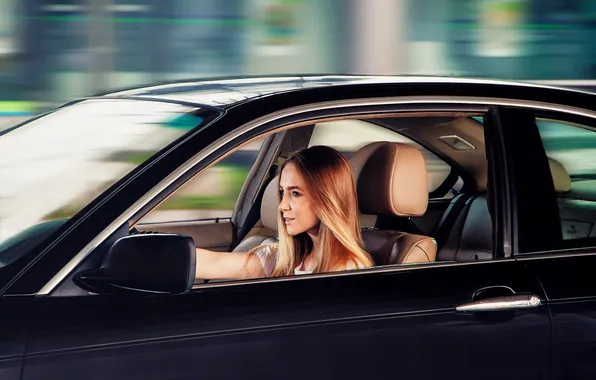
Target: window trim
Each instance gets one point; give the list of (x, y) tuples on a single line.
[(411, 103)]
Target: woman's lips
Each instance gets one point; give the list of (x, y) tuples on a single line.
[(288, 220)]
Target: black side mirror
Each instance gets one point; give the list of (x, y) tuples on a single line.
[(148, 263)]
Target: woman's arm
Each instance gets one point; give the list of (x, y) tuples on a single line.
[(227, 265)]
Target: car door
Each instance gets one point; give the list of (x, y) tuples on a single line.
[(554, 155), (418, 321), (400, 321)]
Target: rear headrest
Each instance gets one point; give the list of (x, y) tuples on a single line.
[(561, 178), (270, 205), (391, 179)]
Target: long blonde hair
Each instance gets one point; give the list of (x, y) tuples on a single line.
[(330, 183)]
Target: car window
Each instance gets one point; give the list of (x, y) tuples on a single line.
[(462, 236), (571, 149), (196, 208), (53, 166), (348, 136), (211, 194)]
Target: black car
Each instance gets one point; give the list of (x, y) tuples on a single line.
[(104, 199)]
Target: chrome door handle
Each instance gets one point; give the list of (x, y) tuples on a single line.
[(528, 301)]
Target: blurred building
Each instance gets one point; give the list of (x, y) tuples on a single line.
[(53, 50)]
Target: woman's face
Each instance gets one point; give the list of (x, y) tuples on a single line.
[(296, 205)]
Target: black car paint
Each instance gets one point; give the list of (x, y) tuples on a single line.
[(570, 286), (399, 322), (15, 315), (354, 326)]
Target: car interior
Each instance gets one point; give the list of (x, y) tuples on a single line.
[(409, 213), (422, 188)]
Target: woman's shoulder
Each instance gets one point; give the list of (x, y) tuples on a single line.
[(266, 255), (266, 250)]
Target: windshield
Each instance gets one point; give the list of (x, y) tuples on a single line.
[(53, 166)]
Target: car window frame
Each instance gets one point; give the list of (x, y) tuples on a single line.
[(541, 105), (27, 283), (274, 122), (376, 270)]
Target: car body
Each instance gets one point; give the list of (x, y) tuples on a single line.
[(408, 321)]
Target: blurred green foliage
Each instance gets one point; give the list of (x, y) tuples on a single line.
[(233, 180)]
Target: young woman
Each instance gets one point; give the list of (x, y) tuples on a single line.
[(317, 223)]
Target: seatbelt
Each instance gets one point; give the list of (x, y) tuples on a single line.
[(448, 220)]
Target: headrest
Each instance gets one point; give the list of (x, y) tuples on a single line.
[(561, 178), (269, 205), (391, 179)]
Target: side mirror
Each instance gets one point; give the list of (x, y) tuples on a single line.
[(148, 263)]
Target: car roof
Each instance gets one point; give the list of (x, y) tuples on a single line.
[(228, 91)]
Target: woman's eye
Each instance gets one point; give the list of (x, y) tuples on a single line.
[(295, 193)]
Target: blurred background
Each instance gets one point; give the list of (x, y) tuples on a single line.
[(52, 51)]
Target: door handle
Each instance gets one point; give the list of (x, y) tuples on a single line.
[(517, 302)]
